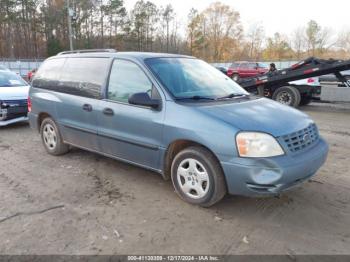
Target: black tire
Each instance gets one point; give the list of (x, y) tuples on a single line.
[(236, 77), (216, 184), (287, 95), (54, 145), (305, 100)]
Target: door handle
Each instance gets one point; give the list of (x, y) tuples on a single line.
[(87, 107), (108, 111)]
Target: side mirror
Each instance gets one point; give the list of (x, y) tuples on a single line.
[(143, 99)]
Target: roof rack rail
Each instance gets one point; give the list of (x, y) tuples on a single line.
[(87, 51)]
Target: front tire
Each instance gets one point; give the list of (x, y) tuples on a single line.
[(51, 138), (287, 95), (197, 177)]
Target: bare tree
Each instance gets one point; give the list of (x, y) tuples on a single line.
[(313, 31), (299, 41), (343, 41), (38, 28), (168, 15), (318, 39), (222, 31), (255, 37)]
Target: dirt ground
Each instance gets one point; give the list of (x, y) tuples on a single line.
[(102, 206)]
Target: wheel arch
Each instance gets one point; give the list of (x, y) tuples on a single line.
[(41, 117), (303, 89), (174, 148)]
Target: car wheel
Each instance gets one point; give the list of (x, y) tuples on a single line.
[(197, 177), (235, 77), (287, 95), (52, 138)]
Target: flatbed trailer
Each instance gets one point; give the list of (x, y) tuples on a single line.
[(276, 85)]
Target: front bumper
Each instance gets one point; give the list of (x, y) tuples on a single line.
[(270, 176)]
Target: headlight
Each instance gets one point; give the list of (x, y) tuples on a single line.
[(254, 144)]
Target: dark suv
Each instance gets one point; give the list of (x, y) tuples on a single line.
[(239, 70)]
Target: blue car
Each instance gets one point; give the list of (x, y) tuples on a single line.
[(175, 115), (13, 98)]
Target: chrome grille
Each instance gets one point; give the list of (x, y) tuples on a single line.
[(301, 139)]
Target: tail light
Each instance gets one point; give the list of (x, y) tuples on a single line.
[(310, 80), (29, 103)]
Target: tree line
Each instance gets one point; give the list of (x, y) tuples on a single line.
[(39, 28)]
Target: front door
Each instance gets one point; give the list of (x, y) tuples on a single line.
[(129, 132)]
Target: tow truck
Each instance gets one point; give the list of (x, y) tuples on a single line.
[(275, 85)]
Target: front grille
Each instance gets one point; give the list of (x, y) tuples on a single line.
[(301, 139)]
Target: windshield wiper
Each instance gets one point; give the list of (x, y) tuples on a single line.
[(195, 98), (232, 95)]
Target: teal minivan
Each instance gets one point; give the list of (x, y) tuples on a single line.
[(175, 115)]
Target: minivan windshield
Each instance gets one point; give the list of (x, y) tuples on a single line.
[(10, 79), (193, 78)]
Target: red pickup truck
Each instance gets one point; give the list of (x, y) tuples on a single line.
[(239, 70)]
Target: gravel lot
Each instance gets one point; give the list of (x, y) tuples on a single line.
[(102, 206)]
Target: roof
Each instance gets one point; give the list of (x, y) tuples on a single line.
[(108, 53)]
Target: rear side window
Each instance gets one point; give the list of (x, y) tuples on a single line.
[(252, 65), (48, 74), (234, 65), (83, 76)]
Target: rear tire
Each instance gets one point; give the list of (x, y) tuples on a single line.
[(198, 177), (287, 95), (51, 138)]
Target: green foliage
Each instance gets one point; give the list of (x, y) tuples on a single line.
[(313, 31), (313, 36), (53, 47), (277, 48)]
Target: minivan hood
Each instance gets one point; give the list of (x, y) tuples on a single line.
[(14, 92), (260, 114)]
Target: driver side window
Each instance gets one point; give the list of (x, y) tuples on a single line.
[(126, 79)]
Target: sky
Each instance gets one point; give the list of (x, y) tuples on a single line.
[(275, 15)]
